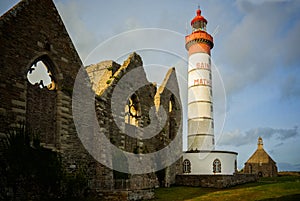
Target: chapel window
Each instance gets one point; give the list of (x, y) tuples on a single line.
[(217, 166), (235, 166), (186, 166)]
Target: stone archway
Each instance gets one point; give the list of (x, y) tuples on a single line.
[(41, 104)]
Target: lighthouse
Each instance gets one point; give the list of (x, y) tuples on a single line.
[(200, 101), (201, 157)]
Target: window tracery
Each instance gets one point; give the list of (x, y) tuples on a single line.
[(217, 166), (186, 166)]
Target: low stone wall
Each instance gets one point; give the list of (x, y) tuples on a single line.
[(215, 181), (130, 195)]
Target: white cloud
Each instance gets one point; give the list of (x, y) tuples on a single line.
[(238, 138)]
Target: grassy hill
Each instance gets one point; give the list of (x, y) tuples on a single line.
[(284, 187)]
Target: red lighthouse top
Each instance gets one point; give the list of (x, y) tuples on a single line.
[(198, 17), (199, 40)]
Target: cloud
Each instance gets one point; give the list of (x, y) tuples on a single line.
[(265, 39), (239, 138), (279, 144), (83, 39), (290, 87), (132, 23), (288, 167)]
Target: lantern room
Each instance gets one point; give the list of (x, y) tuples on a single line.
[(199, 22)]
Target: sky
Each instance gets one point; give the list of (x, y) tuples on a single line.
[(256, 60)]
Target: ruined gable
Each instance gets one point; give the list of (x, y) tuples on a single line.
[(147, 99), (30, 32), (101, 73), (144, 101)]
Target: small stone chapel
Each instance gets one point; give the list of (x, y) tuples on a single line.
[(261, 163)]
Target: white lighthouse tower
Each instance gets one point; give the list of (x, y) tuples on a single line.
[(200, 102), (201, 156)]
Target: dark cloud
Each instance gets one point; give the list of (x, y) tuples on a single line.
[(238, 138), (245, 6), (288, 167), (279, 144)]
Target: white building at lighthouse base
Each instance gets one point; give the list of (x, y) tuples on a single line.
[(212, 162)]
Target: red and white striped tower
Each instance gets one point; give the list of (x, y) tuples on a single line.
[(200, 101)]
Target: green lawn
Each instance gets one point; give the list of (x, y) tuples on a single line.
[(279, 188)]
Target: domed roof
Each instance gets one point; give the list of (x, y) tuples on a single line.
[(198, 17)]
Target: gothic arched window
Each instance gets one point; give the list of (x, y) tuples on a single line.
[(217, 166), (133, 111), (172, 119), (40, 74), (186, 166)]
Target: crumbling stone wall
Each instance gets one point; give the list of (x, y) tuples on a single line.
[(149, 97), (33, 31)]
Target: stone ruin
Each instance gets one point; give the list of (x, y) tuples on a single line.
[(33, 32)]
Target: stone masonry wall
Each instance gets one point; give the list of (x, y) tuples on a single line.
[(214, 181), (33, 31), (149, 97), (29, 32), (262, 170)]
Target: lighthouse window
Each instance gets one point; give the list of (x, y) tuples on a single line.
[(186, 166), (217, 166), (210, 77), (211, 108), (203, 26)]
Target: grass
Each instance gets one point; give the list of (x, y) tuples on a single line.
[(267, 189)]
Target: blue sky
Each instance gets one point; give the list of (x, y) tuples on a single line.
[(256, 57)]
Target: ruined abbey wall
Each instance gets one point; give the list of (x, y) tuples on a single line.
[(33, 31), (147, 97)]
